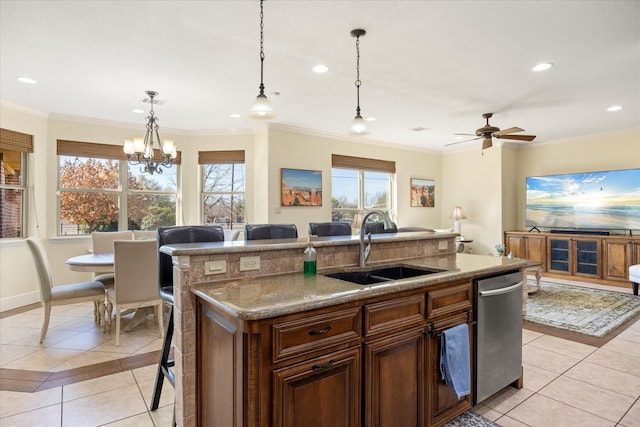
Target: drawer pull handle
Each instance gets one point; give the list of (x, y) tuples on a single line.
[(321, 331), (323, 366)]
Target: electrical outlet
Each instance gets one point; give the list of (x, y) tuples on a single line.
[(248, 263), (215, 267), (442, 245)]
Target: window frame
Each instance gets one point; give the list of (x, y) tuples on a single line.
[(86, 150), (22, 144), (227, 158)]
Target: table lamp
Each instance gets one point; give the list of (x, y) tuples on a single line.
[(457, 215)]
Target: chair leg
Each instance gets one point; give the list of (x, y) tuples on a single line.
[(45, 323), (108, 315), (633, 284), (117, 326), (158, 313), (164, 364)]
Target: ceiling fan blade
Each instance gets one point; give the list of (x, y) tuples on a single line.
[(517, 137), (460, 142), (469, 134), (506, 131), (487, 143)]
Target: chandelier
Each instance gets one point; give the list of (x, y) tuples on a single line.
[(358, 127), (140, 151), (261, 108)]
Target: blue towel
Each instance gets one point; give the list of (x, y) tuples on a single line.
[(454, 359)]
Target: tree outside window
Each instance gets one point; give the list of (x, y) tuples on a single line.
[(223, 192), (357, 190), (91, 197)]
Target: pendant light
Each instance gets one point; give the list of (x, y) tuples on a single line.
[(261, 108), (358, 126), (141, 152)]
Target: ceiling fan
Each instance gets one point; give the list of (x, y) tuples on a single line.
[(487, 132)]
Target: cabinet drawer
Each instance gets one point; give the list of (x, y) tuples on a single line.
[(305, 335), (399, 313), (449, 300)]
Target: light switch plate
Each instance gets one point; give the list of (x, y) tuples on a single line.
[(215, 267), (248, 263), (442, 245)]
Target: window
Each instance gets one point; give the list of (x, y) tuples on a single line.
[(14, 147), (223, 187), (98, 190), (359, 184)]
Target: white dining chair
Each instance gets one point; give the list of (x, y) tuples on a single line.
[(51, 295), (136, 280), (102, 243)]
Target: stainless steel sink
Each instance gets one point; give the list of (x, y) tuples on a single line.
[(379, 275)]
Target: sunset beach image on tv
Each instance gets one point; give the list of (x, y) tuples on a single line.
[(607, 200)]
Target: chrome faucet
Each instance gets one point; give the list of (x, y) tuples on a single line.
[(365, 252)]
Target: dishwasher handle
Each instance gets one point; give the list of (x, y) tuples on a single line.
[(500, 291)]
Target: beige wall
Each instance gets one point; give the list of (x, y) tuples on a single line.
[(489, 185)]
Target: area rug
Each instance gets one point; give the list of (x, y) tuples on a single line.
[(585, 311), (471, 419)]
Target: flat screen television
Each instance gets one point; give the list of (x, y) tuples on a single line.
[(606, 200)]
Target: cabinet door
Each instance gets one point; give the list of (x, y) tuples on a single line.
[(558, 253), (394, 380), (587, 257), (515, 245), (617, 255), (536, 249), (322, 392), (442, 403)]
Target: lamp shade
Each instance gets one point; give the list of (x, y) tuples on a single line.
[(262, 109), (457, 213)]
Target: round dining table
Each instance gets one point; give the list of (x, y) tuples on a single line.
[(92, 263)]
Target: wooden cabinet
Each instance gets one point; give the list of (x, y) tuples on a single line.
[(619, 254), (368, 363), (322, 392), (446, 307), (527, 246), (575, 256)]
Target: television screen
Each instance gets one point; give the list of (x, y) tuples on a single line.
[(607, 200)]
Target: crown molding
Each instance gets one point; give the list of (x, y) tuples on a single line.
[(23, 109)]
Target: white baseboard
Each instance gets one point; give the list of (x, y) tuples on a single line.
[(18, 301)]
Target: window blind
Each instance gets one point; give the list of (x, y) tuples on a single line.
[(16, 141), (216, 157), (100, 151), (348, 162)]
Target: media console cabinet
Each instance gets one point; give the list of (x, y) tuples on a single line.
[(588, 257)]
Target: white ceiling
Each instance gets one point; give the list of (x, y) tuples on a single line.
[(432, 64)]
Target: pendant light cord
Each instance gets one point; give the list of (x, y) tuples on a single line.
[(358, 82), (261, 48)]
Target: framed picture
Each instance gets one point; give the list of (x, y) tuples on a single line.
[(301, 187), (423, 193)]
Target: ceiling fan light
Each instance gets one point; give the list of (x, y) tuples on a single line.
[(261, 108), (358, 126), (486, 143)]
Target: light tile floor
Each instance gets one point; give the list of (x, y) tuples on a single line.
[(565, 383)]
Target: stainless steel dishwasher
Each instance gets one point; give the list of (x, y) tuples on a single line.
[(499, 333)]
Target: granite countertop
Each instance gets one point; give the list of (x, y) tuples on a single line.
[(272, 296)]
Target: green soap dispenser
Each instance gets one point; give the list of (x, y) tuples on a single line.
[(310, 260)]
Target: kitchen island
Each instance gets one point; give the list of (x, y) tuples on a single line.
[(270, 347)]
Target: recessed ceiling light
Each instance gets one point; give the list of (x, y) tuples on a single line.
[(320, 68), (543, 66), (615, 108), (138, 111), (234, 115), (28, 80), (370, 119)]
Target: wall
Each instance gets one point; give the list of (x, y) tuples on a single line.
[(288, 149), (489, 185)]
